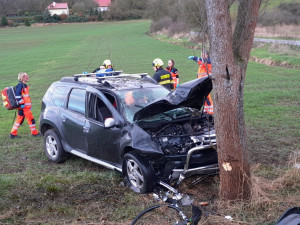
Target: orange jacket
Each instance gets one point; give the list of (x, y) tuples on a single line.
[(204, 69), (175, 76), (22, 95)]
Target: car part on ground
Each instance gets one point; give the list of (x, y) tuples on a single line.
[(176, 201)]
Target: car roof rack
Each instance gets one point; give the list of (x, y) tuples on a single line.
[(105, 80), (110, 75)]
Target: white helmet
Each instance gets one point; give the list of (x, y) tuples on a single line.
[(157, 62), (107, 62)]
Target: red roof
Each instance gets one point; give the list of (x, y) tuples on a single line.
[(55, 5), (103, 3)]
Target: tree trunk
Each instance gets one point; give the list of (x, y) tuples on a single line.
[(230, 54)]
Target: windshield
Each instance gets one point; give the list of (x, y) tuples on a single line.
[(134, 100)]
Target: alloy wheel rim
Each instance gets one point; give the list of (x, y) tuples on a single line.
[(135, 174), (51, 146)]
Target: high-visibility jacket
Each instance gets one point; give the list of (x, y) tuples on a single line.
[(23, 97), (203, 71), (164, 78), (175, 76)]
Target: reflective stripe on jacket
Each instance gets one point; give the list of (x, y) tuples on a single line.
[(164, 78)]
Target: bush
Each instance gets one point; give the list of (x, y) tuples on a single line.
[(27, 23), (38, 18), (92, 18), (10, 23), (76, 19), (176, 28), (64, 16), (161, 24), (285, 13), (4, 21)]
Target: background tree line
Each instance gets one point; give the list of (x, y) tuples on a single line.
[(19, 7), (175, 16)]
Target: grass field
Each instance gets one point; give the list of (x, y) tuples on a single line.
[(35, 191)]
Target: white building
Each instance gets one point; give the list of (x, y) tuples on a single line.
[(58, 8), (103, 5)]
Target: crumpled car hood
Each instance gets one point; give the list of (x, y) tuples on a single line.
[(190, 94)]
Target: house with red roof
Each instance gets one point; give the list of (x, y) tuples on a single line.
[(103, 5), (58, 8)]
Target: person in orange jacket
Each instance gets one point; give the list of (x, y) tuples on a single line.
[(203, 71), (174, 72), (24, 111)]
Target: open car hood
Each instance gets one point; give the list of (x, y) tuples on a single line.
[(190, 94)]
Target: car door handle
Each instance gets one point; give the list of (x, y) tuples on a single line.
[(86, 129), (63, 119)]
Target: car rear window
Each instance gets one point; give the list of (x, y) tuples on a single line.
[(77, 101)]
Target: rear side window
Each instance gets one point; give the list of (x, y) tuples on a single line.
[(58, 95), (77, 101)]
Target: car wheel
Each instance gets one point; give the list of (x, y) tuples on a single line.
[(139, 173), (53, 147)]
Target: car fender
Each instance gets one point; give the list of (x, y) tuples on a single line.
[(137, 139)]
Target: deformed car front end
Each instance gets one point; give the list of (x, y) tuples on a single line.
[(181, 131), (187, 139)]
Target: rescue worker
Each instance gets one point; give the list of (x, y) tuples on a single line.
[(103, 69), (24, 111), (174, 72), (162, 76), (203, 71)]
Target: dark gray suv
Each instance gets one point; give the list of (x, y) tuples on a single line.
[(131, 124)]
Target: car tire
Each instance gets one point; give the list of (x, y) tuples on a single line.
[(53, 147), (138, 173)]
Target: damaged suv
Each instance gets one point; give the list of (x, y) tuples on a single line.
[(131, 124)]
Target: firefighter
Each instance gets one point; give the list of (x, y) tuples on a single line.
[(174, 72), (162, 76), (203, 71), (24, 111), (103, 69)]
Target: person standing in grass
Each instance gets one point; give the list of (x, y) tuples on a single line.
[(162, 76), (204, 70), (174, 72), (24, 111)]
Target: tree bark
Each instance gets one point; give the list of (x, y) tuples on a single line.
[(230, 54)]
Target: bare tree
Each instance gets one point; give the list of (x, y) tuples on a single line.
[(230, 54)]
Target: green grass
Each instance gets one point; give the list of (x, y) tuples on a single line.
[(278, 53), (34, 190)]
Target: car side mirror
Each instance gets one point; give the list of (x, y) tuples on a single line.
[(109, 122)]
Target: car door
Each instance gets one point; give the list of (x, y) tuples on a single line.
[(73, 120), (102, 142)]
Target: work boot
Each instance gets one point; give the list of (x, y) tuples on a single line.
[(37, 135), (14, 136)]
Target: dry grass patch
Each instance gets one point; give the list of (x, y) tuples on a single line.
[(280, 31)]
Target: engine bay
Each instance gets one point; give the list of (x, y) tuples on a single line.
[(179, 137)]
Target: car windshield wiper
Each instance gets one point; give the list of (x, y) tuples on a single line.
[(139, 106)]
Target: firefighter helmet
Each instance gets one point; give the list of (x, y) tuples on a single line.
[(107, 62), (157, 62)]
